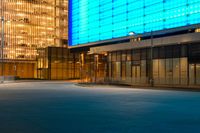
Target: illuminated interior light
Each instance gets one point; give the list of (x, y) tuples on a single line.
[(197, 30), (19, 3), (20, 14)]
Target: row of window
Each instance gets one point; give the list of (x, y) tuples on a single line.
[(172, 65), (173, 51)]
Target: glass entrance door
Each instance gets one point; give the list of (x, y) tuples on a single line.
[(194, 74), (197, 74), (136, 74)]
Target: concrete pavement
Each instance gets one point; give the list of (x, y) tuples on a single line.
[(62, 107)]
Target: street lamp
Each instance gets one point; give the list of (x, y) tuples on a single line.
[(96, 63), (2, 42), (151, 80), (132, 33), (81, 67), (132, 36), (2, 47)]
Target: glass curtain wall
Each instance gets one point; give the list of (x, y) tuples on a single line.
[(32, 24), (93, 68), (110, 19), (171, 66), (194, 64), (28, 25), (55, 63)]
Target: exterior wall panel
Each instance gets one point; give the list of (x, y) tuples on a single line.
[(94, 21)]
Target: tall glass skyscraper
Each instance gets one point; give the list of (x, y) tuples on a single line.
[(30, 25), (93, 21)]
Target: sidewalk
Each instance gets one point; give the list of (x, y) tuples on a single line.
[(161, 87)]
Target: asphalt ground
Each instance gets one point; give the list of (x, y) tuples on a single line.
[(64, 107)]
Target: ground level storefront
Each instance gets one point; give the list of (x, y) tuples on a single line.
[(170, 65), (155, 59), (160, 65), (177, 65)]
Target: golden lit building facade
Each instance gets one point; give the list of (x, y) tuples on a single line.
[(29, 25)]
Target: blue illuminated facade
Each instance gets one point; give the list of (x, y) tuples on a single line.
[(97, 20)]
